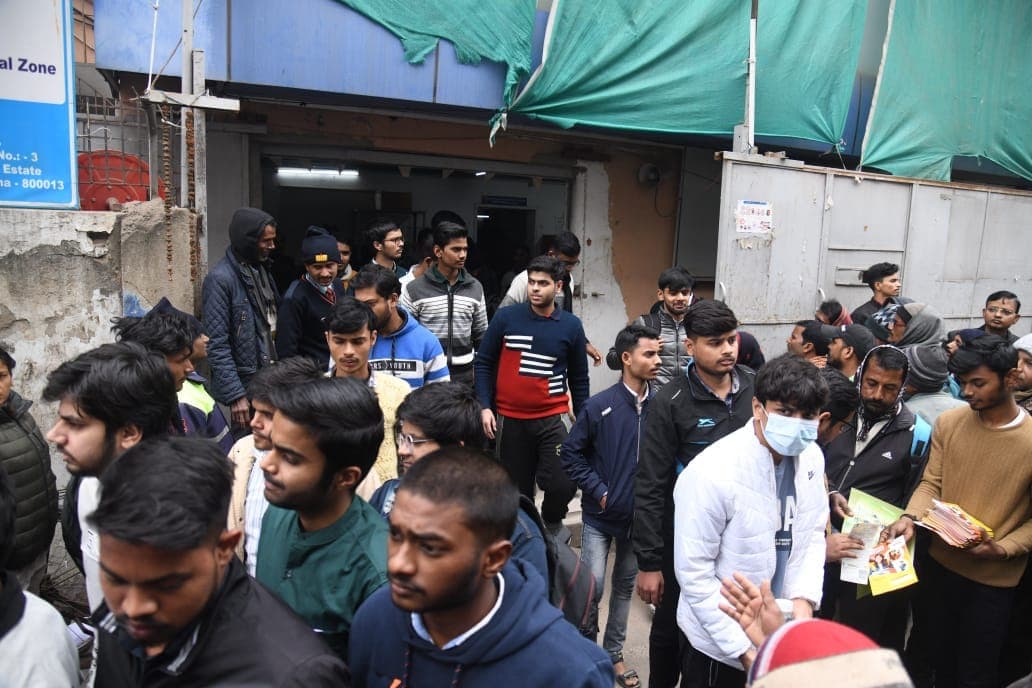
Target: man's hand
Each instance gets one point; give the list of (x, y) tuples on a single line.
[(240, 412), (650, 586), (602, 502), (987, 548), (839, 546), (594, 354), (754, 608), (839, 505), (904, 526), (487, 418)]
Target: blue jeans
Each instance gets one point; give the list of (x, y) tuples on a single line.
[(595, 553)]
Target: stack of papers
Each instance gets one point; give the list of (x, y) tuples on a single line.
[(954, 525), (884, 566)]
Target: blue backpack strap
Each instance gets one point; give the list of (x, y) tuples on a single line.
[(922, 435)]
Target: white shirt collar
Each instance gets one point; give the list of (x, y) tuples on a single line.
[(420, 628)]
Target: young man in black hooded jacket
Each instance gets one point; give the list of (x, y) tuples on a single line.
[(239, 301)]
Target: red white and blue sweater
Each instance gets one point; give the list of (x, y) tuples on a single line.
[(528, 366)]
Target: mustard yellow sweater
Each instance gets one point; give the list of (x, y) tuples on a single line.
[(988, 472)]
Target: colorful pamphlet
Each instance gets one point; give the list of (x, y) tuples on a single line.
[(954, 525), (884, 566)]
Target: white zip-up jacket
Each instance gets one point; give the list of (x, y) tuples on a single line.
[(726, 513)]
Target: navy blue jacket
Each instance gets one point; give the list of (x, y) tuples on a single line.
[(299, 323), (526, 643), (601, 456), (231, 314)]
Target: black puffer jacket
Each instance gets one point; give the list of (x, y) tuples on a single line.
[(26, 459)]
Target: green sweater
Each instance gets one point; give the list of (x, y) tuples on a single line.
[(987, 472), (324, 576)]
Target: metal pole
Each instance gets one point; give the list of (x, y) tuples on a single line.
[(187, 87), (750, 92)]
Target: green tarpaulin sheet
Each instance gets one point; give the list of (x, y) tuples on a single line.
[(680, 66), (496, 30), (955, 81)]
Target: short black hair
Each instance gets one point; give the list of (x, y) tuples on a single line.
[(424, 244), (877, 272), (812, 334), (887, 357), (375, 275), (446, 216), (164, 332), (843, 399), (447, 413), (831, 310), (567, 244), (170, 493), (1004, 295), (627, 338), (991, 351), (348, 315), (793, 381), (120, 385), (676, 279), (447, 232), (8, 509), (472, 480), (342, 415), (549, 266), (288, 372), (378, 230), (6, 358), (709, 319)]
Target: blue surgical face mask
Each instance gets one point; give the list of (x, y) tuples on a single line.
[(789, 436)]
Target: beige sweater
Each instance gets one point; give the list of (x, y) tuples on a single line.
[(988, 472)]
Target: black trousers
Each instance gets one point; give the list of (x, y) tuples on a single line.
[(529, 450), (667, 643), (970, 624), (700, 671)]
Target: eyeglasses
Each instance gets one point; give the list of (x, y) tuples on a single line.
[(995, 310), (570, 264), (409, 441)]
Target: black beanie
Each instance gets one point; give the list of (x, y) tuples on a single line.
[(319, 246)]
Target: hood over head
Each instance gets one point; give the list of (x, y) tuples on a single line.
[(923, 326), (245, 227)]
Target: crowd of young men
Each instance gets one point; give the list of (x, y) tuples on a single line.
[(361, 534)]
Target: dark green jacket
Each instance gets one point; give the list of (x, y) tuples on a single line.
[(25, 457), (324, 576)]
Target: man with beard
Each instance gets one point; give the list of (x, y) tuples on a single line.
[(179, 609), (403, 347), (239, 301), (847, 347), (459, 610), (248, 504), (309, 299), (979, 460), (109, 399), (710, 400), (528, 370), (322, 548), (883, 458)]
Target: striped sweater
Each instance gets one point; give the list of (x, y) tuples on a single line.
[(455, 313)]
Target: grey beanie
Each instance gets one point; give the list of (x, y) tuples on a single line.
[(927, 367)]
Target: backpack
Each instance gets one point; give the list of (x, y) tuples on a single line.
[(571, 587)]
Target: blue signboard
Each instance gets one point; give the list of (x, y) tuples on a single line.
[(37, 105)]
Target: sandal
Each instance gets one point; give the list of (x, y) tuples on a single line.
[(629, 679)]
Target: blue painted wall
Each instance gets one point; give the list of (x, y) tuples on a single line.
[(313, 45)]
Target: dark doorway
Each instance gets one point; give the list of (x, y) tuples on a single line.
[(503, 234)]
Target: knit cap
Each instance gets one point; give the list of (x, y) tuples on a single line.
[(1024, 344), (881, 322), (856, 336), (814, 652), (927, 367), (319, 246)]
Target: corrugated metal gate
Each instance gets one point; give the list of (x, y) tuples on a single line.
[(955, 243)]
